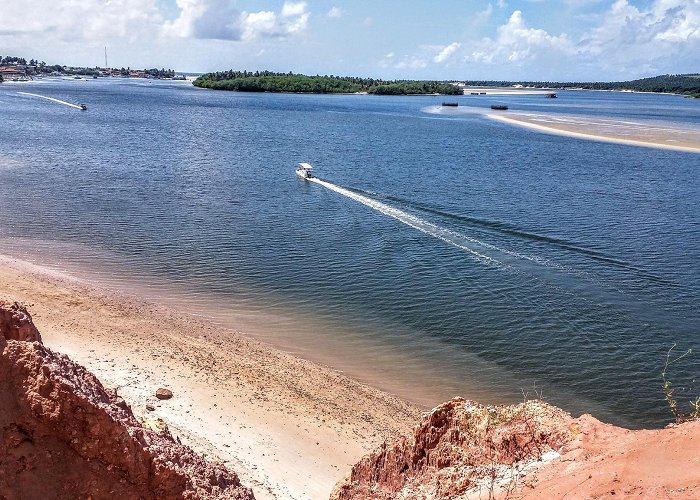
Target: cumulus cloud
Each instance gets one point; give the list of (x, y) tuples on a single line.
[(625, 40), (446, 52), (516, 42), (218, 19), (291, 9), (100, 20), (80, 19), (629, 36)]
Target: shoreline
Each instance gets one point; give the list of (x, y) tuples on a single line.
[(289, 427), (302, 332), (551, 128)]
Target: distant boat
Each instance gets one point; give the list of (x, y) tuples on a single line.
[(451, 104), (551, 95), (474, 93), (304, 170), (83, 107), (499, 107)]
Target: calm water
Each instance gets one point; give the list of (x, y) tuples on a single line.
[(445, 254)]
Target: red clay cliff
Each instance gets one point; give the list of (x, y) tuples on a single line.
[(63, 435), (16, 323), (463, 450)]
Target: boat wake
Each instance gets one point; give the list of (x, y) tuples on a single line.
[(507, 229), (52, 99), (488, 253), (474, 247)]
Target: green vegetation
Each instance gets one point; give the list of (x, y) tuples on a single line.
[(267, 81), (679, 415), (678, 84), (160, 73)]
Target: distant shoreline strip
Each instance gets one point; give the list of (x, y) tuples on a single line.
[(591, 137)]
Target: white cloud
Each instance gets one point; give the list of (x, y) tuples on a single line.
[(218, 19), (446, 52), (626, 41), (654, 40), (253, 24), (516, 42), (290, 9), (86, 20), (368, 21), (335, 13), (213, 19)]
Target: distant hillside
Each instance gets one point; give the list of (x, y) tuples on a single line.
[(679, 84), (267, 81)]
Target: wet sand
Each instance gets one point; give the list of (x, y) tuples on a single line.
[(289, 427), (651, 135)]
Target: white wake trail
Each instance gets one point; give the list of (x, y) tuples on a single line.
[(450, 237), (51, 99)]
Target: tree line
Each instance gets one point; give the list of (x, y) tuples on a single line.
[(688, 84), (269, 81)]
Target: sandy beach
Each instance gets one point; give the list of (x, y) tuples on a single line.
[(508, 90), (289, 427), (607, 130)]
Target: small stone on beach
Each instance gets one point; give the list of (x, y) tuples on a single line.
[(150, 407), (164, 393)]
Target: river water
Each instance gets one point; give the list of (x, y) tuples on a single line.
[(441, 253)]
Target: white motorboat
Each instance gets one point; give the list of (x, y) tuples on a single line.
[(304, 170)]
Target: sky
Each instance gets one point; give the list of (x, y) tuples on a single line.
[(546, 40)]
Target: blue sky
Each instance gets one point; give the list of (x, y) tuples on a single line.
[(451, 39)]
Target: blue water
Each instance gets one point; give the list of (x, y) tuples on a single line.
[(457, 255)]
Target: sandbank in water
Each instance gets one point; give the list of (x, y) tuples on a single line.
[(651, 135)]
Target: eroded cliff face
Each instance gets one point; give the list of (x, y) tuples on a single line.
[(460, 446), (63, 435), (16, 323), (463, 450)]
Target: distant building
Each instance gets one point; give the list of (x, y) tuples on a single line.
[(13, 73)]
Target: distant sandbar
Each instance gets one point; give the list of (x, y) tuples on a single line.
[(651, 135)]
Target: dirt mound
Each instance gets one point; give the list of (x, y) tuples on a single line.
[(63, 435), (462, 450), (459, 446)]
